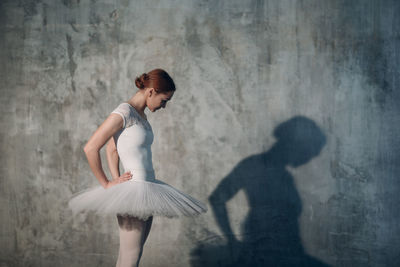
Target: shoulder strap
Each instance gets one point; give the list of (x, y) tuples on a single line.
[(128, 115)]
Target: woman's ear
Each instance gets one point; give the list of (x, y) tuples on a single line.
[(151, 91)]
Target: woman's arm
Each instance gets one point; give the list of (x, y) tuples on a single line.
[(112, 158), (106, 130)]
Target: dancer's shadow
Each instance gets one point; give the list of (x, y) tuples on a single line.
[(270, 233)]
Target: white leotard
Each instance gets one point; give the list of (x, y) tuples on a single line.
[(134, 142)]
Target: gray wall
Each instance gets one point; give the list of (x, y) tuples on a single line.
[(285, 122)]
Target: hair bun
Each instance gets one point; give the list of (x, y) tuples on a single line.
[(158, 79), (139, 81)]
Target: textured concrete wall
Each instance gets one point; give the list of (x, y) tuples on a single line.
[(285, 121)]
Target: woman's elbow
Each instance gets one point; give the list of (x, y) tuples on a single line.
[(87, 148)]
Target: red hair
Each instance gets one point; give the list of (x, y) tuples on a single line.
[(158, 79)]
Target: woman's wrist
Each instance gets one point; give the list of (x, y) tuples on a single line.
[(105, 184)]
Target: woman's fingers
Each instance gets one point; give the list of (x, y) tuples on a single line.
[(128, 173), (125, 177)]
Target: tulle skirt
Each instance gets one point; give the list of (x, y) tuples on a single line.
[(138, 198)]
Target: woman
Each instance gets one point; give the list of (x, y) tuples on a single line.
[(136, 195)]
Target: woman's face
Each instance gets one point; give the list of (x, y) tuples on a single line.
[(158, 100)]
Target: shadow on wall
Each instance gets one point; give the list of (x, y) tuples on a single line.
[(270, 233)]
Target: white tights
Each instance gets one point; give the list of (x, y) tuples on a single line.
[(133, 233)]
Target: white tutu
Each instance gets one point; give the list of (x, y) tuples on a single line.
[(143, 195), (137, 197)]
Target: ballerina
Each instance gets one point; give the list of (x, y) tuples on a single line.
[(136, 195)]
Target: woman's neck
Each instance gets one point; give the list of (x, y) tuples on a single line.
[(138, 101)]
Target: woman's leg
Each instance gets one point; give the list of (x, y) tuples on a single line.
[(132, 233)]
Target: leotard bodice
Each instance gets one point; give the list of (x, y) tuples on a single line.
[(134, 142)]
